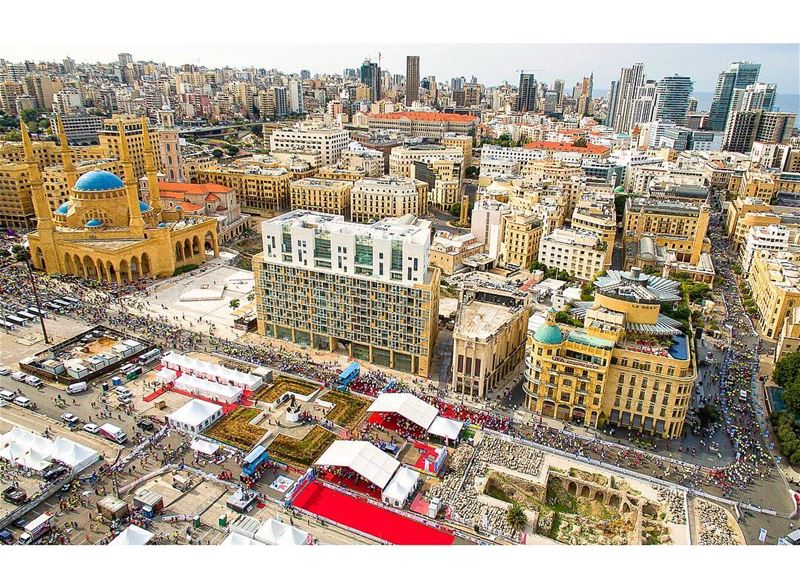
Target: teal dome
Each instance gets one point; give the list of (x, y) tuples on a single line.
[(549, 334), (144, 206), (98, 181), (95, 222), (63, 209), (619, 190)]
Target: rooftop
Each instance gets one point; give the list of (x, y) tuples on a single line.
[(424, 117), (590, 148), (482, 320)]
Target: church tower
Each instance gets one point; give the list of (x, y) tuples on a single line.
[(169, 145), (43, 257)]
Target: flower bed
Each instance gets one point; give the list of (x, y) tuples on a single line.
[(349, 409), (301, 452), (235, 429), (282, 384)]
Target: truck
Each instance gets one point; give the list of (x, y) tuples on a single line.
[(113, 433), (35, 529)]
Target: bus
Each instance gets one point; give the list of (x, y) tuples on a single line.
[(149, 357)]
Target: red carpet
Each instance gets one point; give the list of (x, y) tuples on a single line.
[(367, 518), (355, 483)]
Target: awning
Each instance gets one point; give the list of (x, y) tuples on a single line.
[(401, 486), (132, 535)]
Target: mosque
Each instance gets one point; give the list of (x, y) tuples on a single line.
[(104, 232)]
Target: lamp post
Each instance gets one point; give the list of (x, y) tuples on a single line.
[(24, 256)]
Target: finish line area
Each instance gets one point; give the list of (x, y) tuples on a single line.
[(367, 518)]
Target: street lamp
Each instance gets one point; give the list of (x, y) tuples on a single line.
[(23, 255)]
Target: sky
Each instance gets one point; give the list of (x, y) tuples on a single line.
[(490, 63)]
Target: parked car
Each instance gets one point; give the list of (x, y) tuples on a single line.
[(34, 381), (5, 371), (15, 495), (126, 400), (6, 537), (122, 390), (19, 376), (146, 425), (70, 418), (53, 472), (7, 395), (23, 401), (91, 428)]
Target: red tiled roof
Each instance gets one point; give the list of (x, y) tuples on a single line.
[(425, 116), (187, 188), (560, 146)]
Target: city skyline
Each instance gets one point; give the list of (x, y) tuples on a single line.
[(491, 64)]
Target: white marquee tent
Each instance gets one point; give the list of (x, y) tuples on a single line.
[(274, 532), (363, 458), (195, 416), (210, 371), (204, 447), (30, 450), (221, 392), (406, 405), (236, 539), (166, 375), (132, 535), (400, 488), (447, 428)]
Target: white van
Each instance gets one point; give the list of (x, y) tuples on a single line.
[(743, 396), (22, 401), (76, 387), (34, 381), (7, 395)]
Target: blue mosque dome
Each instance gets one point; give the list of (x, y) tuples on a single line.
[(95, 222), (98, 181), (63, 209), (549, 334), (162, 225), (144, 206), (179, 207)]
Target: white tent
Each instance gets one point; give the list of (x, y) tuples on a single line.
[(195, 416), (274, 532), (209, 389), (444, 427), (34, 460), (406, 405), (75, 455), (236, 539), (205, 447), (210, 371), (401, 487), (132, 535), (166, 375), (363, 458)]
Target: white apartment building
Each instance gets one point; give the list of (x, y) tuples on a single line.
[(328, 142), (520, 154), (486, 223), (764, 238), (578, 252), (442, 168), (359, 158), (364, 290), (374, 199)]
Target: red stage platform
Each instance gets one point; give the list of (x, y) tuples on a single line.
[(367, 518)]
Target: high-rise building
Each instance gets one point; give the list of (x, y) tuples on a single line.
[(305, 74), (124, 59), (412, 79), (295, 96), (739, 74), (371, 77), (527, 93), (625, 91), (747, 126), (644, 103), (558, 88), (369, 290), (758, 96), (672, 99)]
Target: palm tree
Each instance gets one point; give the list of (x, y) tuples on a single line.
[(234, 304), (516, 517)]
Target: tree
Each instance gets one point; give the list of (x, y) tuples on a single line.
[(708, 414), (232, 150), (791, 396), (787, 369), (580, 142), (29, 115), (587, 292), (251, 296), (217, 153), (472, 171), (516, 517), (234, 304), (455, 209)]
